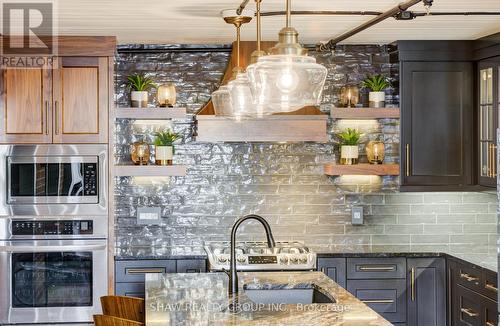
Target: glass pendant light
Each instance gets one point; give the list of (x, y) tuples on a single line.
[(287, 79), (239, 87)]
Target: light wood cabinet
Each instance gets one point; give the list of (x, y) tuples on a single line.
[(66, 104), (25, 99), (81, 99)]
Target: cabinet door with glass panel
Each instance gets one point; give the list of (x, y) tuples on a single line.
[(488, 121)]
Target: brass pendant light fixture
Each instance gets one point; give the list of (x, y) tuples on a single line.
[(287, 79)]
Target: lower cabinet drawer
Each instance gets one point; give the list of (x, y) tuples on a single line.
[(387, 297), (130, 289), (129, 271), (376, 268), (470, 308), (191, 266)]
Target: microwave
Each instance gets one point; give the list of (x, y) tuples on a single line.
[(53, 179)]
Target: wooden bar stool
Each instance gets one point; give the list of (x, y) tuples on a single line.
[(123, 307), (102, 320)]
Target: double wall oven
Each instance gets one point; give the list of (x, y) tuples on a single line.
[(53, 232)]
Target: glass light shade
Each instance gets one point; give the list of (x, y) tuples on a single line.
[(221, 100), (349, 96), (166, 95), (375, 151), (241, 96), (287, 82)]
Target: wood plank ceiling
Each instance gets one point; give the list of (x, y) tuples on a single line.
[(198, 21)]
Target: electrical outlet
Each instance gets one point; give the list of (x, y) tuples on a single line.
[(148, 215), (357, 215)]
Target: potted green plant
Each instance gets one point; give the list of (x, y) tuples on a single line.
[(349, 152), (377, 84), (164, 147), (139, 85)]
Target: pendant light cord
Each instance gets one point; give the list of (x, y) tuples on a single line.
[(238, 36), (288, 13), (257, 4)]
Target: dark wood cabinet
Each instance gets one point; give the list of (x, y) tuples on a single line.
[(472, 295), (334, 268), (436, 125), (129, 274), (426, 284), (487, 117)]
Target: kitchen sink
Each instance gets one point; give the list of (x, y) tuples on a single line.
[(287, 296)]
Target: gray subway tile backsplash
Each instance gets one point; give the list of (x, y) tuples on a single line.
[(284, 182)]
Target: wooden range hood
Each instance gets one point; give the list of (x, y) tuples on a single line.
[(306, 124)]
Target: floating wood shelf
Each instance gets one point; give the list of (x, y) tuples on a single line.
[(361, 169), (149, 170), (150, 113), (365, 113)]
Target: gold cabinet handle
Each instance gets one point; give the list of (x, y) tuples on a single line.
[(376, 268), (56, 112), (46, 117), (145, 270), (491, 287), (323, 270), (468, 277), (494, 159), (378, 301), (407, 160), (469, 312), (488, 156), (412, 272), (490, 324)]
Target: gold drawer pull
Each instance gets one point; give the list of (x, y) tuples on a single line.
[(145, 270), (491, 287), (377, 268), (323, 270), (490, 324), (469, 312), (378, 301), (468, 277)]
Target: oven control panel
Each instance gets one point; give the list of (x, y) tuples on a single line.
[(81, 227)]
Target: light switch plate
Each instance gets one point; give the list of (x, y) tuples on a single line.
[(148, 215), (357, 215)]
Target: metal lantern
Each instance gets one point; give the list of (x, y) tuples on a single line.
[(166, 95)]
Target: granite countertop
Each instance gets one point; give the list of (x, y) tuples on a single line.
[(202, 299)]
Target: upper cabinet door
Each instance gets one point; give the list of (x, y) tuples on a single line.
[(25, 101), (488, 122), (81, 100), (436, 125)]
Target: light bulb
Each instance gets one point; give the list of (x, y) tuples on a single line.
[(287, 80)]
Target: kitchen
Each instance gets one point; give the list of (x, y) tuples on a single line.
[(126, 168)]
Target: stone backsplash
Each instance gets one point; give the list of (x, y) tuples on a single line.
[(283, 182)]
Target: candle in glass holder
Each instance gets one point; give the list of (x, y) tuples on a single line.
[(375, 151), (140, 153)]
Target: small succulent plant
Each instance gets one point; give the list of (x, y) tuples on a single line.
[(166, 138), (140, 82), (350, 137), (377, 83)]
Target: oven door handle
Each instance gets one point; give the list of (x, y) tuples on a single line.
[(13, 248)]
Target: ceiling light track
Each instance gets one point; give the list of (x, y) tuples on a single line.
[(323, 13), (388, 14)]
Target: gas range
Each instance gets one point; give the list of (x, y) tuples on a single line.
[(257, 256)]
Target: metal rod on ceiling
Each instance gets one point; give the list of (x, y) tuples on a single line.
[(323, 12), (389, 13), (465, 13), (241, 7)]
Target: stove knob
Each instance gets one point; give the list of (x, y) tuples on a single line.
[(241, 259), (303, 260), (294, 260), (222, 259), (283, 260)]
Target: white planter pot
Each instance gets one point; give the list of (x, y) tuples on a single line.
[(349, 155), (164, 155), (377, 99), (139, 99)]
